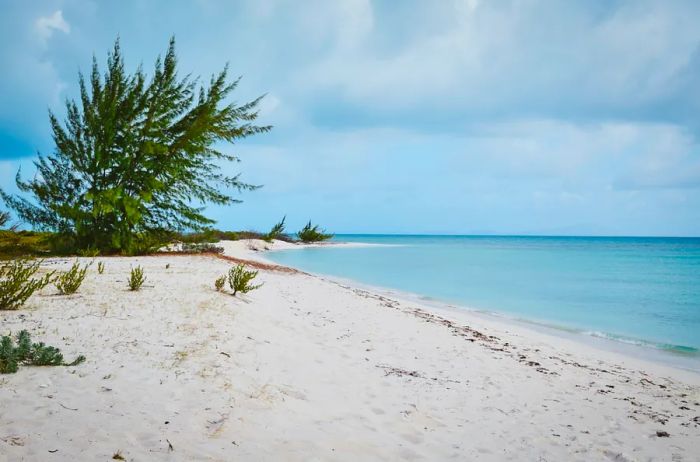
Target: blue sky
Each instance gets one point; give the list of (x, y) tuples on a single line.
[(464, 116)]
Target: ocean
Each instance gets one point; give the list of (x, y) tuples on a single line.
[(635, 290)]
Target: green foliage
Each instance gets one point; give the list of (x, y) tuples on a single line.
[(312, 233), (201, 248), (277, 231), (68, 282), (100, 267), (17, 283), (134, 156), (219, 283), (239, 279), (15, 244), (208, 235), (136, 278), (4, 218), (28, 353)]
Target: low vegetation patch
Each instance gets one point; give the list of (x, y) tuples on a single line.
[(201, 248), (24, 352), (15, 244), (219, 283), (313, 233), (208, 235), (239, 279), (100, 267), (68, 282), (136, 278), (17, 282)]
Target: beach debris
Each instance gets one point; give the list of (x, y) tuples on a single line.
[(13, 440), (662, 434), (118, 456)]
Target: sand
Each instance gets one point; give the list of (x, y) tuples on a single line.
[(307, 368)]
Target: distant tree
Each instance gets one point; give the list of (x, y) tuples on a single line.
[(313, 233), (277, 231), (137, 156)]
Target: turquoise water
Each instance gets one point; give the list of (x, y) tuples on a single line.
[(635, 290)]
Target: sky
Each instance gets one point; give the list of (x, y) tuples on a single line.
[(446, 117)]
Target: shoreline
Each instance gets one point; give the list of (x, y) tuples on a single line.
[(631, 348), (308, 368)]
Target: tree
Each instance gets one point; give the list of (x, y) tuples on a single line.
[(137, 157)]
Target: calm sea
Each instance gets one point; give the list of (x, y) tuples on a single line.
[(642, 291)]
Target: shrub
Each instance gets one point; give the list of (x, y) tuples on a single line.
[(17, 283), (312, 233), (239, 279), (69, 281), (100, 267), (208, 235), (136, 278), (219, 283), (28, 353), (277, 231), (201, 248)]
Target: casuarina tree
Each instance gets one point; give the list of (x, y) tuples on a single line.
[(137, 156)]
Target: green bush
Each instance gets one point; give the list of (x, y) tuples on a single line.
[(68, 282), (276, 232), (219, 283), (206, 236), (201, 248), (312, 233), (17, 283), (239, 279), (101, 267), (28, 353), (136, 278)]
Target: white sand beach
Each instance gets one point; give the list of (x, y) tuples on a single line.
[(306, 368)]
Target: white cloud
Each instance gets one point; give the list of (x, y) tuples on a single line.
[(46, 25), (511, 54)]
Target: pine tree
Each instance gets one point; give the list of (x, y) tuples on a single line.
[(136, 156)]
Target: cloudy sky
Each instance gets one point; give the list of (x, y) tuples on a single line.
[(451, 116)]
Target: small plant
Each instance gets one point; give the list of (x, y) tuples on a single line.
[(136, 278), (239, 279), (167, 266), (30, 354), (17, 283), (68, 282), (277, 231), (100, 267), (118, 456), (312, 233), (219, 283)]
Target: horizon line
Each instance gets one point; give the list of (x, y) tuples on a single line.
[(517, 235)]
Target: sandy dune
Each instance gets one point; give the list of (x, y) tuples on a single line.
[(310, 369)]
